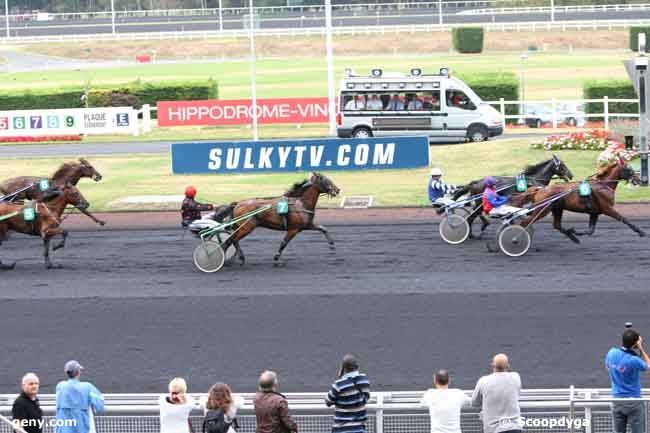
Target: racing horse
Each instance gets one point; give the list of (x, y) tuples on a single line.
[(539, 174), (69, 172), (302, 199), (600, 201), (47, 222)]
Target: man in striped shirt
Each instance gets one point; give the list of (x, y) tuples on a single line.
[(349, 395)]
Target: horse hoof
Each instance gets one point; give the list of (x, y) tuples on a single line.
[(10, 267), (54, 266), (276, 258), (642, 234), (332, 247)]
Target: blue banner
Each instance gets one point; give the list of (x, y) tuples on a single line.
[(300, 155)]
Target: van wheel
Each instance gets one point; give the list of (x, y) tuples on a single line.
[(538, 123), (361, 132), (477, 133), (571, 121)]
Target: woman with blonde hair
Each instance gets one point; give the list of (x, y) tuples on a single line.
[(175, 408), (221, 410)]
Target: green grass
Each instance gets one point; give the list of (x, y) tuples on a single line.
[(131, 175), (546, 74)]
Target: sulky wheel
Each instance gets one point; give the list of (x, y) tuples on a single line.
[(514, 240), (209, 256), (454, 229)]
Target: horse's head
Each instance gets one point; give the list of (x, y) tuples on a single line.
[(628, 174), (324, 184), (87, 170), (73, 196), (560, 169)]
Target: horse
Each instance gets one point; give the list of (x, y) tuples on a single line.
[(539, 174), (601, 201), (69, 172), (302, 198), (47, 223)]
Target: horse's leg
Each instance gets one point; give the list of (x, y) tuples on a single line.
[(64, 235), (3, 234), (291, 233), (557, 224), (47, 235), (593, 219), (324, 231), (611, 212), (241, 232), (473, 214), (92, 217), (239, 252)]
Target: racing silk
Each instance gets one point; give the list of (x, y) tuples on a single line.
[(191, 210), (491, 199), (437, 189), (75, 401)]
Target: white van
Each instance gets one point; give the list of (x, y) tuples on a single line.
[(440, 106)]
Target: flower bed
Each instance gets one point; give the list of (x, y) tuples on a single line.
[(40, 138), (591, 140)]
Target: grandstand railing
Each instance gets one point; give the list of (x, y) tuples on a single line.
[(336, 30), (389, 412)]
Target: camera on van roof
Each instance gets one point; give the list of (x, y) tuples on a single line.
[(444, 72), (416, 72), (376, 72)]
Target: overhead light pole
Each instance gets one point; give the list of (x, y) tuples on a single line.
[(113, 16), (331, 100), (251, 36), (7, 17)]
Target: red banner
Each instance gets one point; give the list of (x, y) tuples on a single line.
[(240, 112)]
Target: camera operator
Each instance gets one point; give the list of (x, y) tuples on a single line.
[(624, 366)]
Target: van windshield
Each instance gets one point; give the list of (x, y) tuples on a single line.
[(391, 101), (458, 99)]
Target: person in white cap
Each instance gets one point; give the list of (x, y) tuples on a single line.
[(438, 189), (76, 401)]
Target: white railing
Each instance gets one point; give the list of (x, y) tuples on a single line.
[(554, 117), (389, 412), (557, 9), (319, 31)]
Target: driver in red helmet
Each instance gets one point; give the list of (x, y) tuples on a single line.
[(191, 209)]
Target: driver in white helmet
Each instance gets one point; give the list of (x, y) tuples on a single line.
[(438, 189)]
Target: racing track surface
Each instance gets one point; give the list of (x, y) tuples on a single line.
[(130, 306)]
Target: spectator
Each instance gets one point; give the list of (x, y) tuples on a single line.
[(374, 103), (76, 401), (221, 410), (271, 408), (26, 411), (175, 408), (414, 104), (444, 404), (349, 395), (357, 103), (395, 104), (624, 366), (498, 396)]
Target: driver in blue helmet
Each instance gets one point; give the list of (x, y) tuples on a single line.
[(493, 203)]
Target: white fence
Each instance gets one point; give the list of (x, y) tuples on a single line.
[(558, 9), (389, 412)]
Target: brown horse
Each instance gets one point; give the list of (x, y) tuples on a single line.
[(601, 201), (302, 198), (47, 223), (69, 172)]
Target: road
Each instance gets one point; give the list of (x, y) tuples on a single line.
[(130, 306), (297, 20)]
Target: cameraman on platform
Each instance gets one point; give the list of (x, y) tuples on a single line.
[(624, 365)]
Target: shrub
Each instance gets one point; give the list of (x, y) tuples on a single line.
[(468, 39), (491, 86), (619, 89)]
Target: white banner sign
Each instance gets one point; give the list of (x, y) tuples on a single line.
[(74, 121)]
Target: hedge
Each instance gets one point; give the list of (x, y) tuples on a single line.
[(619, 89), (133, 94), (468, 39), (634, 38), (491, 86)]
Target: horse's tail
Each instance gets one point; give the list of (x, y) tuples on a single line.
[(461, 191)]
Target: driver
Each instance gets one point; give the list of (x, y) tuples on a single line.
[(493, 203), (191, 209)]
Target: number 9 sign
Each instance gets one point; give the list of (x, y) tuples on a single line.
[(69, 121)]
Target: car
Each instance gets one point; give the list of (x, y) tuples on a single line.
[(573, 114), (537, 115)]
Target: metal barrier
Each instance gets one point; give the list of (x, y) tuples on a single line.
[(390, 412)]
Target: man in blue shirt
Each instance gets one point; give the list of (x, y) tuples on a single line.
[(624, 366), (76, 401), (349, 395)]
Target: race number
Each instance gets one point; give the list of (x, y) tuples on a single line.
[(36, 122), (4, 123), (53, 122), (69, 121), (19, 123)]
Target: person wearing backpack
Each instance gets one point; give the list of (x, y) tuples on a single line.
[(221, 410)]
